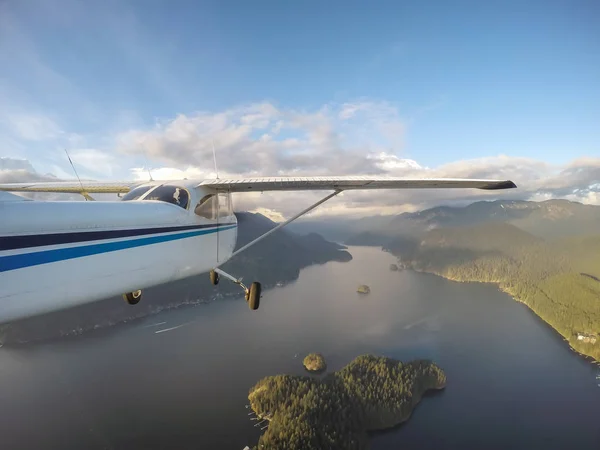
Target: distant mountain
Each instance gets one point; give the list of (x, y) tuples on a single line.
[(277, 259), (339, 229), (560, 218), (332, 229), (15, 164), (548, 219)]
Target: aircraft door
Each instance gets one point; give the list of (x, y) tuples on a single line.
[(227, 233)]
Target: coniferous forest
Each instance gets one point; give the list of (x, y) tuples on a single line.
[(335, 412), (559, 279)]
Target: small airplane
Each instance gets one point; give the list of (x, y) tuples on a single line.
[(58, 254)]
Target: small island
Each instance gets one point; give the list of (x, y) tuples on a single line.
[(336, 412), (393, 267), (363, 289), (314, 362)]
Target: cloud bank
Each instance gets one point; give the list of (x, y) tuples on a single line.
[(353, 138), (358, 138)]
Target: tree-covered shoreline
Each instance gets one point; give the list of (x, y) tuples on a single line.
[(557, 279)]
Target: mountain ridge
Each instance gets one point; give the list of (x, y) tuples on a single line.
[(547, 219)]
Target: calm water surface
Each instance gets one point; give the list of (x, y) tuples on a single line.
[(512, 382)]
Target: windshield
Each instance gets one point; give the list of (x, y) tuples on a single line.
[(136, 193), (170, 194)]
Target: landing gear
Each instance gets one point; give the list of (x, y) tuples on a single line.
[(252, 295), (133, 298)]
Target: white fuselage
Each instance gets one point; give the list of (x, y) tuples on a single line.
[(55, 255)]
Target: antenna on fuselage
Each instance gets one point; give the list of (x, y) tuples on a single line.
[(147, 166), (215, 158), (85, 194)]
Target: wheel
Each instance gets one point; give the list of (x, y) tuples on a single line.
[(133, 298), (214, 277), (254, 295)]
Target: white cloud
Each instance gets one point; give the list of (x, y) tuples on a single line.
[(392, 163), (171, 173), (349, 110), (262, 138), (275, 216), (95, 161)]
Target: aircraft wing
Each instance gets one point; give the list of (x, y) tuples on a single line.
[(70, 187), (269, 184), (348, 183)]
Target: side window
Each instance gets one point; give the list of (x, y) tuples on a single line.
[(224, 206), (207, 207)]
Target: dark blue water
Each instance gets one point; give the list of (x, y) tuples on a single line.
[(512, 382)]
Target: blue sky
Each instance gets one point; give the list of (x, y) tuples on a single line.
[(456, 80)]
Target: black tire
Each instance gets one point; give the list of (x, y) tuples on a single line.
[(254, 296), (214, 277), (133, 298)]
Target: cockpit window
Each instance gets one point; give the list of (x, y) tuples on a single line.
[(225, 209), (207, 207), (170, 194), (136, 193)]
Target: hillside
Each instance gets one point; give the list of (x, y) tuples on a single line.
[(558, 279), (277, 259)]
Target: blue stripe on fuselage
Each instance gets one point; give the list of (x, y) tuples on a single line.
[(20, 261), (21, 242)]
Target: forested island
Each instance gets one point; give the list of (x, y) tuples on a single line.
[(314, 362), (336, 412), (363, 289)]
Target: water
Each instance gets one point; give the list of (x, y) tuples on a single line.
[(180, 379)]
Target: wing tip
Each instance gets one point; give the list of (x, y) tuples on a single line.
[(508, 184)]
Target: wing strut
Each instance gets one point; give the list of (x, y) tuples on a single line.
[(283, 224)]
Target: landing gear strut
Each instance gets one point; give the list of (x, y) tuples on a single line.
[(133, 298), (214, 277), (251, 294)]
